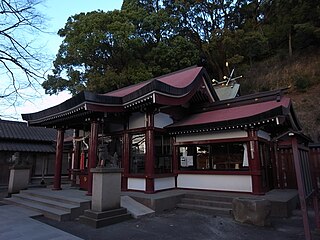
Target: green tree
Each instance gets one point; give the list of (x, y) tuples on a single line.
[(209, 25), (172, 55), (102, 51), (254, 45), (99, 53), (293, 24), (151, 19), (146, 38)]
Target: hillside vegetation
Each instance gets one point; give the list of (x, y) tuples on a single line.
[(104, 51), (301, 73)]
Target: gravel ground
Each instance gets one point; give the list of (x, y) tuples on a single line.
[(3, 194), (185, 224)]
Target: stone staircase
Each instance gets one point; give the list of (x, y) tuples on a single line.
[(53, 206), (212, 204)]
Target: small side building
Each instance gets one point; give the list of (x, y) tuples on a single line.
[(36, 147)]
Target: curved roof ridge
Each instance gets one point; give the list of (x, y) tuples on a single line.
[(183, 79), (165, 89)]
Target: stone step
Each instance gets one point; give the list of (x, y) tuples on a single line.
[(209, 203), (107, 214), (219, 198), (49, 212), (47, 201), (74, 209), (101, 219), (49, 195), (211, 210)]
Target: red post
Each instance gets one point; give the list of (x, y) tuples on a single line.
[(301, 190), (149, 165), (316, 210), (313, 158), (175, 160), (58, 161), (255, 165), (125, 161), (76, 158), (92, 154), (278, 166)]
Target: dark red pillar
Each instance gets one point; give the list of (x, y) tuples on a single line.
[(76, 158), (92, 154), (175, 159), (301, 186), (255, 165), (58, 161), (125, 161), (149, 166)]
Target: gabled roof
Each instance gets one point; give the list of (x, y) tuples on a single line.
[(17, 136), (27, 147), (172, 83), (13, 130), (285, 137), (234, 113), (248, 111), (171, 90)]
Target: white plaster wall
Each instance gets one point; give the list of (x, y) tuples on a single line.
[(264, 135), (137, 184), (238, 183), (164, 183), (212, 136), (137, 120), (161, 120)]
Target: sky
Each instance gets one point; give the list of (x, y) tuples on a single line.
[(56, 13)]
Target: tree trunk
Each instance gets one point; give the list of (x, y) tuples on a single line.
[(290, 43)]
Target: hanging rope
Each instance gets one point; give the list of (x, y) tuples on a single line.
[(86, 147), (82, 139)]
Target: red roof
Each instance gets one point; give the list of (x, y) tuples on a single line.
[(179, 79), (127, 90), (228, 114), (173, 89)]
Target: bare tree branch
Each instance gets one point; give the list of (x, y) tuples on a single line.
[(20, 61)]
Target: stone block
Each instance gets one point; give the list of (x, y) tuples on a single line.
[(252, 211), (106, 189), (18, 180)]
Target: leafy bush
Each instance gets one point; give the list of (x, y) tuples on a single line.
[(301, 82)]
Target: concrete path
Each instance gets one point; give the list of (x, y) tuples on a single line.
[(16, 224)]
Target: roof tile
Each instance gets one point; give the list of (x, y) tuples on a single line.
[(21, 131)]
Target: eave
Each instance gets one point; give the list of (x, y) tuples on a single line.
[(257, 115)]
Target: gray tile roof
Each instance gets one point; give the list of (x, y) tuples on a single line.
[(27, 147), (20, 131), (18, 136)]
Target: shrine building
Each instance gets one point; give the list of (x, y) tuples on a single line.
[(177, 131)]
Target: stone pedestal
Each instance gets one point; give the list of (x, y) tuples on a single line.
[(19, 179), (105, 203), (252, 211), (106, 188)]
